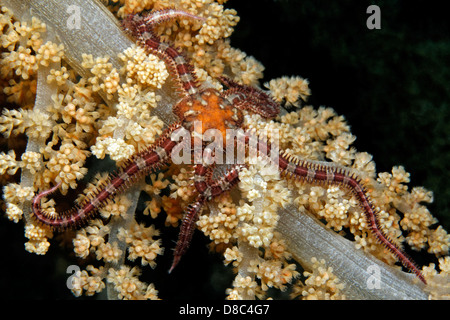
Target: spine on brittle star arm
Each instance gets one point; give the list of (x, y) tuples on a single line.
[(140, 164), (210, 189), (202, 176), (329, 174), (178, 64), (187, 230), (164, 15), (250, 98)]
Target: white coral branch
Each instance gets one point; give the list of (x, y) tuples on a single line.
[(101, 35)]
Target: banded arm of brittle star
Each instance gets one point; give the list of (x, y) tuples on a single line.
[(141, 28), (209, 106), (208, 190), (322, 173), (250, 98), (146, 161)]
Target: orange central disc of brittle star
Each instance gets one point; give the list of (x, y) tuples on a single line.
[(209, 111)]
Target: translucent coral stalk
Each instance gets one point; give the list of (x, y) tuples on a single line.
[(249, 254), (71, 22), (308, 238), (44, 93), (115, 226)]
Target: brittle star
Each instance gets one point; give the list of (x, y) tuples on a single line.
[(216, 110)]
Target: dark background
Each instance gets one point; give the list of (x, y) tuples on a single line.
[(392, 85)]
